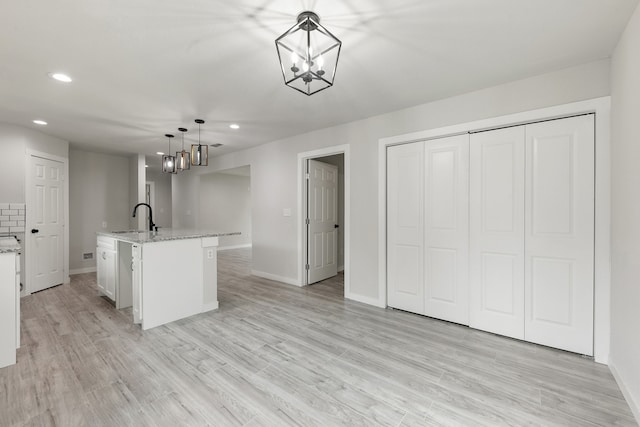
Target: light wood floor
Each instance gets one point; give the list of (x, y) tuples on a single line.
[(278, 355)]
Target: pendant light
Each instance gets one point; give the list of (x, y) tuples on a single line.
[(199, 152), (308, 55), (169, 161), (183, 158)]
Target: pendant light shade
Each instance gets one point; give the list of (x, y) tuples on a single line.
[(199, 152), (183, 158), (169, 161), (308, 55)]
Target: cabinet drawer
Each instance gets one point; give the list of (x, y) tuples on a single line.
[(107, 243)]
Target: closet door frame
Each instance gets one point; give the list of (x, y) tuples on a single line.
[(602, 271)]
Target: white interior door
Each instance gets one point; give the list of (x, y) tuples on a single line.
[(322, 228), (405, 227), (497, 231), (446, 247), (559, 233), (45, 223)]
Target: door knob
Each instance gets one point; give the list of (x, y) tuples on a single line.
[(336, 225), (34, 231)]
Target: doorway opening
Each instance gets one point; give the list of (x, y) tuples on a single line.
[(227, 205), (158, 195), (324, 221)]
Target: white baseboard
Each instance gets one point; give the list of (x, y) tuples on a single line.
[(287, 280), (365, 300), (82, 270), (210, 306), (633, 403), (226, 248)]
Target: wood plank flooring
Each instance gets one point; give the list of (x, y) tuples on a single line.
[(278, 355)]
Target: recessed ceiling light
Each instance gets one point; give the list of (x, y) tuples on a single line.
[(146, 166), (160, 153), (61, 77), (40, 122), (216, 145), (234, 126)]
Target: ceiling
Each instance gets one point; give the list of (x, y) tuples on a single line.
[(146, 67)]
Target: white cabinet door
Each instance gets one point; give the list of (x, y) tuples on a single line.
[(106, 272), (110, 277), (497, 231), (7, 310), (136, 267), (559, 234), (405, 227), (17, 301), (446, 211), (101, 269)]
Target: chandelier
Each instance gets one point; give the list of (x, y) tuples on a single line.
[(199, 152), (308, 55), (169, 161), (183, 160)]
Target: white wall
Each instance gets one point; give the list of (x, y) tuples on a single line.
[(137, 181), (185, 200), (14, 143), (274, 165), (96, 184), (625, 214), (226, 206), (162, 216)]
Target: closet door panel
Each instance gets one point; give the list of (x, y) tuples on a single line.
[(405, 227), (559, 233), (496, 267), (446, 261)]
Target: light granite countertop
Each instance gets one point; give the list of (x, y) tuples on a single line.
[(9, 245), (163, 234)]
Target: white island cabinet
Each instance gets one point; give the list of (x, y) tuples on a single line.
[(9, 301), (163, 276)]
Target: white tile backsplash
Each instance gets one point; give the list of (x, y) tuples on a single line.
[(12, 218)]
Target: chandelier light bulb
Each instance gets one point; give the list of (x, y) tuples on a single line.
[(320, 62), (294, 58)]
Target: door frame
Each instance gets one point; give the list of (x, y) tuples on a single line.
[(602, 186), (29, 261), (302, 211)]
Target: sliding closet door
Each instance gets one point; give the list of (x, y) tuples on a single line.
[(405, 227), (559, 234), (497, 231), (447, 229)]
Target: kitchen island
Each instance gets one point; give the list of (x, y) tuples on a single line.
[(164, 276)]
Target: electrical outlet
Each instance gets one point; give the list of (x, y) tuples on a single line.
[(104, 224), (210, 253), (88, 255)]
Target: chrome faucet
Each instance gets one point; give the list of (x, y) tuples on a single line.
[(152, 226)]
